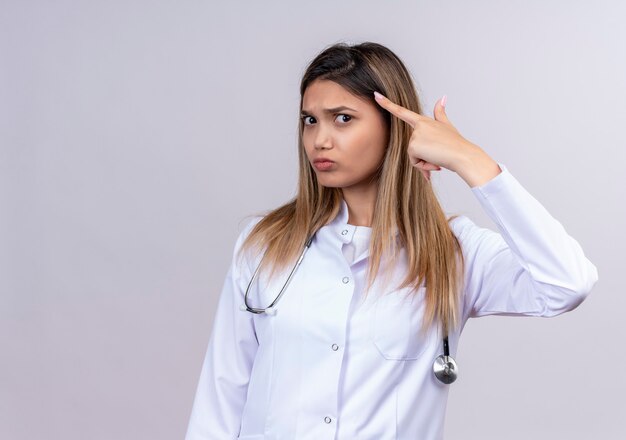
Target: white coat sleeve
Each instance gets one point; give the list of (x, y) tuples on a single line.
[(532, 267), (223, 384)]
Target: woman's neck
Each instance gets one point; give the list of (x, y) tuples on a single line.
[(360, 202)]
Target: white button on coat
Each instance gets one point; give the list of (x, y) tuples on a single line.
[(270, 377)]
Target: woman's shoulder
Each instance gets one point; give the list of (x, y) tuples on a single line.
[(245, 227), (460, 224), (249, 222), (246, 257), (470, 235)]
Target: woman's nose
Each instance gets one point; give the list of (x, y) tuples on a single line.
[(323, 138)]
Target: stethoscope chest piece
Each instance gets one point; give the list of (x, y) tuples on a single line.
[(445, 369)]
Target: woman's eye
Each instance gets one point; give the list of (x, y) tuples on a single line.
[(345, 116), (343, 119)]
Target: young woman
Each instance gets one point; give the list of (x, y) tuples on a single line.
[(363, 283)]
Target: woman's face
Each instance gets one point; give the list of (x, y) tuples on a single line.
[(347, 130)]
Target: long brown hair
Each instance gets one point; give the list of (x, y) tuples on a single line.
[(405, 203)]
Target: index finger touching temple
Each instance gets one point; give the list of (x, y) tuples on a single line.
[(403, 113)]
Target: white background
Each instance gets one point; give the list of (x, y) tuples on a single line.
[(136, 136)]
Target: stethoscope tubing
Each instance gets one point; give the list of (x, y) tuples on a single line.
[(263, 310)]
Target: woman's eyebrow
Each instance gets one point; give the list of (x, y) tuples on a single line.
[(330, 110)]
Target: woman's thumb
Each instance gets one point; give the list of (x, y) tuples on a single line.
[(440, 110)]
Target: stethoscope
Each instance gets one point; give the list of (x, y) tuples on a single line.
[(444, 366)]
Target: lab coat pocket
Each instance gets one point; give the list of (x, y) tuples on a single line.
[(397, 321)]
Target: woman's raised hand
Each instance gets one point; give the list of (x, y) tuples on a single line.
[(434, 143)]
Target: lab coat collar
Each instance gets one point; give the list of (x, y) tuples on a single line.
[(339, 225), (342, 229)]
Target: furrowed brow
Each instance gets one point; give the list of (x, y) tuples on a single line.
[(330, 110)]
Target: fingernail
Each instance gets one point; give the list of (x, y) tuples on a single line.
[(443, 100), (378, 95)]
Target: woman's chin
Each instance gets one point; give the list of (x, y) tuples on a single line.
[(331, 183)]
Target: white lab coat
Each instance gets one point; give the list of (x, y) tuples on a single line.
[(330, 366)]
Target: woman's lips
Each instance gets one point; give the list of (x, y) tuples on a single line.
[(324, 165)]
